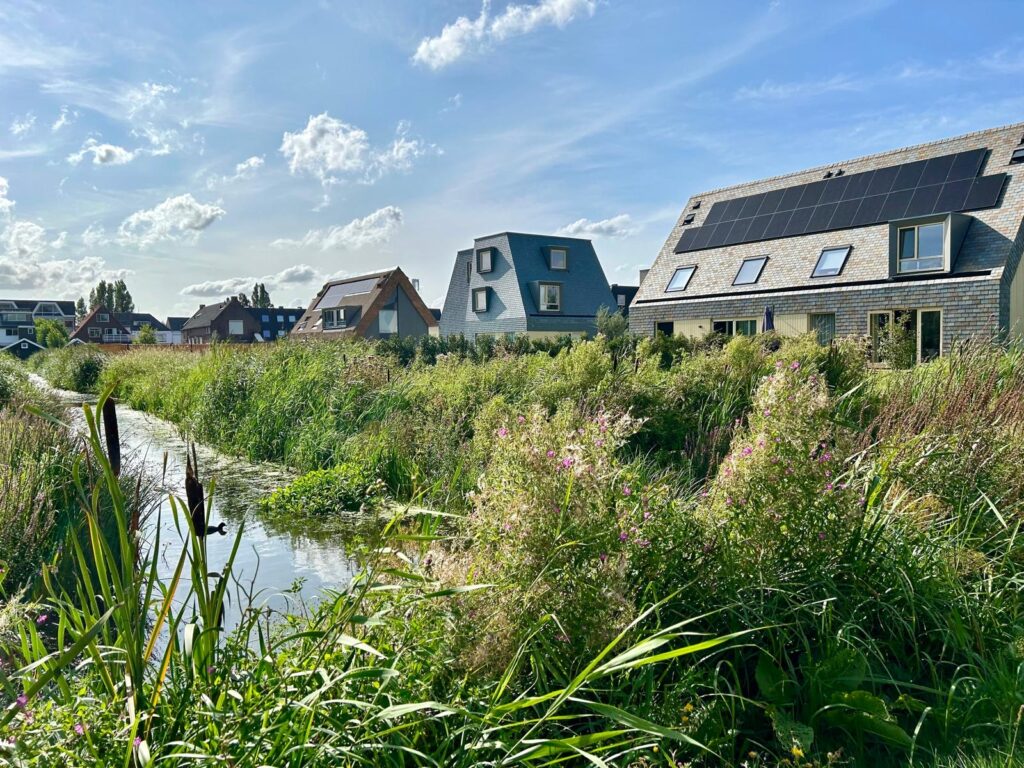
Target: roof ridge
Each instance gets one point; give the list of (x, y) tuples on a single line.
[(873, 156)]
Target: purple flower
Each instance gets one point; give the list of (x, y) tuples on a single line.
[(647, 515), (778, 363), (21, 702), (567, 462), (623, 536), (627, 491), (767, 412), (599, 443), (502, 432), (79, 729), (747, 450), (604, 557), (41, 618), (136, 741), (828, 486), (821, 535), (551, 454), (795, 365), (521, 419)]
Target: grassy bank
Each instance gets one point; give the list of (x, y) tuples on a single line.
[(854, 532)]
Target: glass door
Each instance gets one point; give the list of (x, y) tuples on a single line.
[(878, 329), (929, 337)]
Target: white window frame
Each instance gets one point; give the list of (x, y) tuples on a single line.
[(692, 271), (333, 319), (943, 257), (842, 265), (557, 307), (480, 263), (565, 259), (486, 293), (732, 321), (760, 271), (102, 317), (620, 300)]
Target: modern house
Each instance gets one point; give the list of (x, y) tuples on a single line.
[(373, 306), (928, 238), (624, 295), (134, 321), (275, 322), (174, 326), (227, 320), (18, 317), (101, 326), (538, 285)]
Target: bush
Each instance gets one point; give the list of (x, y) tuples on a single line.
[(76, 367), (348, 487)]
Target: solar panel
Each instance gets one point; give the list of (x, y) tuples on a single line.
[(943, 184), (336, 293)]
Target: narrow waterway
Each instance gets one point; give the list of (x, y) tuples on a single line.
[(277, 565)]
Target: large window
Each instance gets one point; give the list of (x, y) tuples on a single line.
[(680, 279), (480, 297), (334, 318), (550, 297), (485, 260), (236, 327), (902, 336), (750, 271), (824, 326), (922, 248), (665, 328), (102, 317), (387, 321), (831, 262), (740, 327), (558, 258)]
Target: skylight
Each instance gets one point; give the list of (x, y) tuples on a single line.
[(680, 279), (831, 262), (1017, 156), (750, 271)]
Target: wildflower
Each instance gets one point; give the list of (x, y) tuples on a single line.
[(567, 462), (21, 702), (828, 486), (627, 491), (767, 412), (623, 536), (41, 618), (599, 443), (778, 363), (728, 501), (747, 450), (136, 741), (521, 419), (795, 365), (821, 535), (79, 729), (796, 751), (688, 707), (647, 515), (551, 454), (603, 557)]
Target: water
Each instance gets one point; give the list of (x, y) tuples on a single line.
[(278, 563)]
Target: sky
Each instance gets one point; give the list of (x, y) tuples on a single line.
[(193, 148)]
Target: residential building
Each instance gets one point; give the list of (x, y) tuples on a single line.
[(174, 326), (101, 326), (538, 285), (21, 348), (134, 321), (927, 238), (18, 317), (624, 295), (373, 306), (227, 320), (275, 322)]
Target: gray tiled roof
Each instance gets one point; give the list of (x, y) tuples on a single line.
[(986, 248)]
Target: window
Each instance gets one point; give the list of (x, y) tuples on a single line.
[(558, 259), (265, 318), (236, 327), (24, 345), (469, 270), (744, 327), (387, 321), (750, 271), (95, 333), (280, 318), (824, 325), (103, 317), (680, 279), (282, 333), (266, 333), (480, 297), (550, 297), (929, 339), (689, 218), (667, 328), (620, 299), (923, 335), (831, 262), (922, 248), (334, 318), (291, 318), (1017, 156), (485, 260)]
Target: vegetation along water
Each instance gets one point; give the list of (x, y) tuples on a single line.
[(608, 552)]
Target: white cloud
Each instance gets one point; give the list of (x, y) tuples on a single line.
[(6, 204), (103, 154), (22, 125), (466, 36), (180, 218), (332, 150), (616, 226), (376, 228), (23, 240), (94, 235), (298, 274), (65, 118), (454, 103), (772, 91), (243, 170)]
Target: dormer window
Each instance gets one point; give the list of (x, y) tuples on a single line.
[(102, 317), (550, 297), (922, 248), (480, 297), (680, 279), (558, 259), (750, 271), (1017, 156), (831, 262), (333, 318), (485, 260)]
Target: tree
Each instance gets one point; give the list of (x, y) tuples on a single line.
[(121, 300), (50, 333), (80, 310), (243, 300), (260, 296), (146, 335)]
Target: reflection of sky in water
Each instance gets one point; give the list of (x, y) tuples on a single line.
[(272, 555)]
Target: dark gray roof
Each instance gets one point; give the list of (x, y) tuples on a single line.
[(29, 305), (205, 315), (135, 320), (176, 323)]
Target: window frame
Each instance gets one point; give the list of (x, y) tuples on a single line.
[(337, 316), (95, 332), (540, 297), (757, 278), (732, 322), (812, 329), (842, 266), (891, 320), (380, 324), (490, 251), (686, 284), (102, 317), (620, 300), (551, 260), (1017, 155), (486, 293), (943, 257), (241, 325)]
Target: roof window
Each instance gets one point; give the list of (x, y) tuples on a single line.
[(680, 279), (750, 271), (831, 262)]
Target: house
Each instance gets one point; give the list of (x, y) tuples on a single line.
[(174, 326), (624, 295), (18, 317), (927, 238), (134, 321), (538, 285), (377, 305), (275, 322), (227, 320), (101, 326)]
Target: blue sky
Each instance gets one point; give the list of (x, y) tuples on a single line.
[(193, 147)]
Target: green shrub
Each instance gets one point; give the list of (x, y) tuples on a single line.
[(348, 487), (76, 367)]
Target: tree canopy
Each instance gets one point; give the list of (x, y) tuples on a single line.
[(115, 296)]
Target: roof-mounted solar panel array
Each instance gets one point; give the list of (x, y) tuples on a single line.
[(944, 184)]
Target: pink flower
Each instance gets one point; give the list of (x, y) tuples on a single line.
[(647, 515), (79, 729), (747, 450), (521, 419), (551, 454), (627, 491), (767, 412), (21, 702), (828, 486), (603, 557), (41, 618), (136, 741), (623, 536), (502, 432), (567, 462), (795, 365)]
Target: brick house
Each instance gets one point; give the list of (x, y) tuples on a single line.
[(225, 321), (538, 285), (926, 237), (101, 326), (373, 306)]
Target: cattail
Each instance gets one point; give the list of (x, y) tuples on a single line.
[(194, 494), (112, 436)]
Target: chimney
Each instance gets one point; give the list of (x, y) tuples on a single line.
[(202, 306), (416, 284), (643, 274)]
